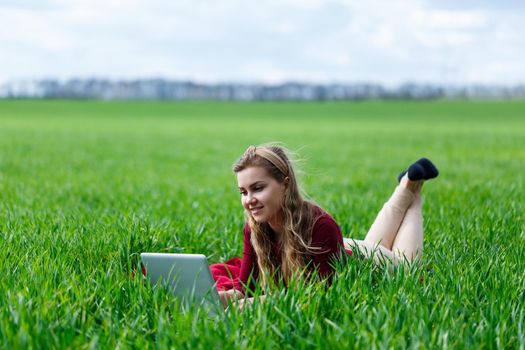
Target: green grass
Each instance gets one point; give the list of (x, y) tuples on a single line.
[(86, 186)]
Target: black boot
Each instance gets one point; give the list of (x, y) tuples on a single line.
[(423, 169)]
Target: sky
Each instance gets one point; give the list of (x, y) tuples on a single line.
[(315, 41)]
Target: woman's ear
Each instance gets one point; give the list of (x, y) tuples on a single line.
[(286, 182)]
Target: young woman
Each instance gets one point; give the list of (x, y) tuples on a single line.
[(285, 234)]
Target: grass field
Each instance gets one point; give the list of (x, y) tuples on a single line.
[(86, 186)]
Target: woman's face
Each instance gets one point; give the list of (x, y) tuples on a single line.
[(261, 195)]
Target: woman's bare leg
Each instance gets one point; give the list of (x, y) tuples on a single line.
[(397, 232), (386, 225), (368, 249), (408, 243)]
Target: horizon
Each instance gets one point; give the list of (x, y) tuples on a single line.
[(326, 83)]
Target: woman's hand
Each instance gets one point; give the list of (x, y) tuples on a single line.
[(249, 301), (228, 296)]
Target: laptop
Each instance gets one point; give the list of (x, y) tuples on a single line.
[(187, 276)]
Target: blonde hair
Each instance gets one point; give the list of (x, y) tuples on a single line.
[(299, 216)]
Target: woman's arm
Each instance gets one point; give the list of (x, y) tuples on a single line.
[(249, 270)]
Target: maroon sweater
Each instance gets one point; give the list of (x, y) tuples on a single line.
[(326, 235)]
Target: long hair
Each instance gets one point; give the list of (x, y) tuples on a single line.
[(299, 216)]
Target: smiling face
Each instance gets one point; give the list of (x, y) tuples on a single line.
[(261, 195)]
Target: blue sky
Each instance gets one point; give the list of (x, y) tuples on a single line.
[(387, 42)]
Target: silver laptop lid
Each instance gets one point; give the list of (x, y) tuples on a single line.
[(188, 276)]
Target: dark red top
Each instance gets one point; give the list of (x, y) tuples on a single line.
[(326, 235)]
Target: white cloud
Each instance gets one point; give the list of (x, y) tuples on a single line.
[(447, 19), (271, 41)]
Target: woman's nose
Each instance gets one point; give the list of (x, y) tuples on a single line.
[(251, 199)]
